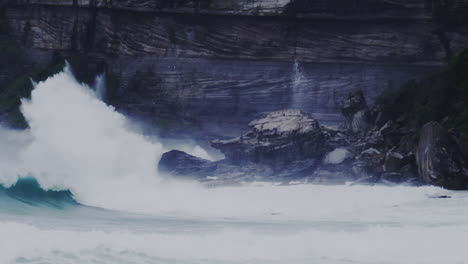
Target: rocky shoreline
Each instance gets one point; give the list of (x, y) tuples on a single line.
[(289, 145), (417, 135)]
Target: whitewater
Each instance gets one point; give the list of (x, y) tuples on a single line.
[(81, 185)]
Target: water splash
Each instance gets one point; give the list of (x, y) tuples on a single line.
[(100, 86), (299, 87), (298, 77)]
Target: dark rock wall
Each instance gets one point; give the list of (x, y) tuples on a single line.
[(273, 38), (362, 9), (221, 70)]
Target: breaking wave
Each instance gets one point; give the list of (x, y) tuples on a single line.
[(78, 144)]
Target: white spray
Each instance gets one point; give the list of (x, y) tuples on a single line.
[(100, 84)]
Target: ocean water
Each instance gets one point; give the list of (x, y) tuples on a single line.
[(81, 186)]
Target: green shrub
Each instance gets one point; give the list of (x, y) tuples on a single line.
[(442, 96), (8, 46)]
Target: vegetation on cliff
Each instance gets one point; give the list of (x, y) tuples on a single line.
[(8, 46), (21, 87), (442, 97)]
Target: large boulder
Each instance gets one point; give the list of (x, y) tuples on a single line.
[(394, 161), (391, 133), (440, 159), (277, 139)]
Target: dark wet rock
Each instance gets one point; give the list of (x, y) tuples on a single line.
[(442, 197), (354, 109), (408, 143), (276, 139), (374, 139), (368, 163), (353, 103), (282, 146), (179, 163), (394, 161), (370, 152), (278, 148), (336, 138), (391, 133), (440, 159)]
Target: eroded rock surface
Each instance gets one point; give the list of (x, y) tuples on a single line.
[(277, 138), (355, 110), (440, 159)]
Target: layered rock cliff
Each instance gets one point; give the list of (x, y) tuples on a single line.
[(214, 65)]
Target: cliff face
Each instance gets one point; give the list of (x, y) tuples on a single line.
[(217, 64), (413, 9)]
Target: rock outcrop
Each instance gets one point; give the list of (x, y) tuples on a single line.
[(289, 145), (281, 146), (277, 138), (355, 111), (440, 159)]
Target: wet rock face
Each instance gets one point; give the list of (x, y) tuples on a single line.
[(289, 145), (354, 109), (186, 60), (299, 8), (179, 163), (277, 138), (281, 146), (368, 163), (179, 60), (440, 160)]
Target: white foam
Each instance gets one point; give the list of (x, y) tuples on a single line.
[(408, 244)]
